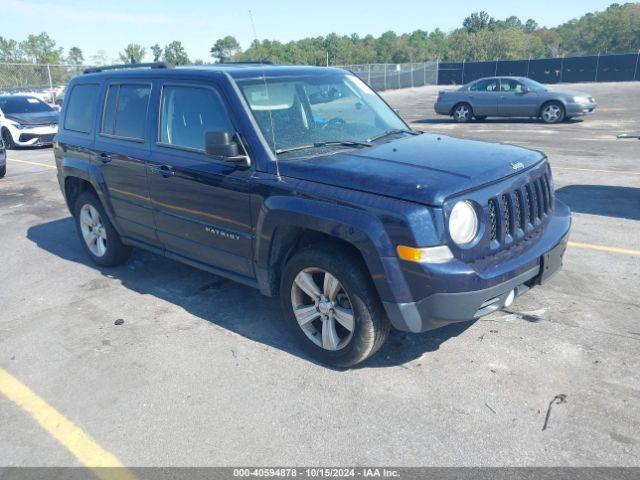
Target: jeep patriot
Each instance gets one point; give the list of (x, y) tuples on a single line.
[(302, 182)]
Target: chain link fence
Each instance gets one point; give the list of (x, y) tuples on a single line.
[(387, 76), (45, 81)]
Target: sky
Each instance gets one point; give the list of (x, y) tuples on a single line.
[(110, 25)]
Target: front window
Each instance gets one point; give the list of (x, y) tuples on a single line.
[(17, 105), (293, 112), (533, 85)]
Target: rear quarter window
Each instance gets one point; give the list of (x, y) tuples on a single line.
[(81, 108)]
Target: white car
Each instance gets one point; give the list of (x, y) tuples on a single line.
[(27, 121)]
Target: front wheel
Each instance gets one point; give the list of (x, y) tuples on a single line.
[(462, 113), (552, 112), (99, 239), (332, 307), (8, 139)]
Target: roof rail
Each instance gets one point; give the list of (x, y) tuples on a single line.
[(249, 62), (129, 65)]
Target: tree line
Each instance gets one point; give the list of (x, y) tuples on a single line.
[(480, 37)]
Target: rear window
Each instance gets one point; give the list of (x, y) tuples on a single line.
[(81, 108), (125, 111)]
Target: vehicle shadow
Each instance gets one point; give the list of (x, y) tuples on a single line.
[(605, 200), (493, 121), (230, 305)]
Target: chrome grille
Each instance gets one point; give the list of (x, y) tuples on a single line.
[(493, 218)]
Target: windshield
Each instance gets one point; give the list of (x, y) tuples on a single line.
[(310, 111), (17, 105), (533, 85)]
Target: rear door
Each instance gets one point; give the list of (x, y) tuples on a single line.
[(483, 96), (515, 100), (121, 149), (201, 204)]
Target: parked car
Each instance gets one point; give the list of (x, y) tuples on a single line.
[(512, 97), (302, 182), (27, 121), (3, 160)]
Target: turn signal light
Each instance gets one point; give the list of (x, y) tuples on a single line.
[(439, 254)]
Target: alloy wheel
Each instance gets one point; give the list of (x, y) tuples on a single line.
[(93, 230), (462, 113), (322, 308), (551, 113)]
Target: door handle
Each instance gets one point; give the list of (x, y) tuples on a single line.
[(104, 157), (164, 170)]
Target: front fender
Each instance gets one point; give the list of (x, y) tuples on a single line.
[(358, 227)]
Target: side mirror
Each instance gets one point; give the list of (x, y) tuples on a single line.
[(223, 145)]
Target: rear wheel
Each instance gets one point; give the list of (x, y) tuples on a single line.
[(8, 139), (552, 112), (332, 307), (462, 113), (99, 239)]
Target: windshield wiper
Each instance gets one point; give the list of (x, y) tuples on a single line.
[(393, 132), (346, 143)]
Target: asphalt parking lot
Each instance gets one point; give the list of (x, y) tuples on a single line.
[(202, 371)]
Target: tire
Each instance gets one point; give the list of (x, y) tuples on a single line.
[(462, 113), (98, 238), (8, 139), (552, 112), (353, 303), (3, 171)]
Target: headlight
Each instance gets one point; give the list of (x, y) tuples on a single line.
[(581, 99), (463, 223)]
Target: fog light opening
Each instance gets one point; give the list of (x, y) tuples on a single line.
[(509, 300)]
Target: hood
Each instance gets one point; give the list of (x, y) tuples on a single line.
[(424, 168), (571, 93), (39, 118)]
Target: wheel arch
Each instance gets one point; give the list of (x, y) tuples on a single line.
[(286, 224)]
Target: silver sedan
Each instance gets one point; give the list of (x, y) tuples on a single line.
[(512, 97)]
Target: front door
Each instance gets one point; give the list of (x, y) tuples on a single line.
[(121, 148), (516, 100), (201, 204)]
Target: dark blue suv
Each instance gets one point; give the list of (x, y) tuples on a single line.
[(304, 183)]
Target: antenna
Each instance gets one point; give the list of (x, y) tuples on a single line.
[(266, 88)]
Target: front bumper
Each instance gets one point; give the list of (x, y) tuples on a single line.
[(32, 137), (577, 109), (443, 308)]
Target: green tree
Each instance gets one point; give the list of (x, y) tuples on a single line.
[(133, 53), (41, 49), (476, 21), (157, 52), (175, 54), (225, 49), (75, 57), (10, 50)]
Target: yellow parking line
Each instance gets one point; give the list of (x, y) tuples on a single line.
[(623, 172), (103, 464), (602, 248), (32, 163)]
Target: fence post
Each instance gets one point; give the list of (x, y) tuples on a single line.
[(462, 72), (437, 71), (495, 74), (385, 76), (635, 72), (561, 67), (597, 67), (49, 74), (528, 66)]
